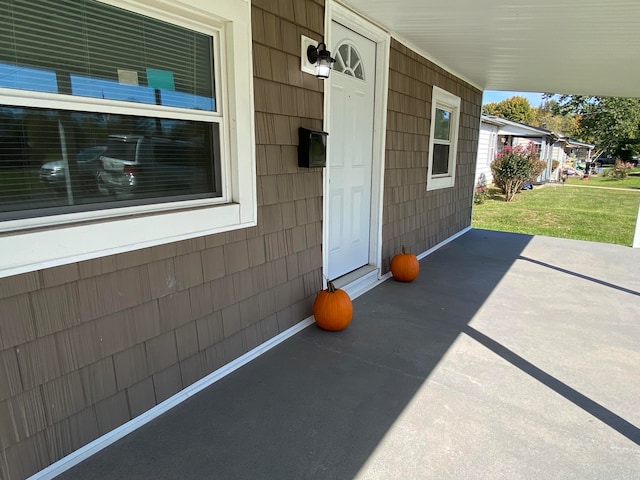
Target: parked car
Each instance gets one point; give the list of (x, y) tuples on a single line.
[(143, 166), (603, 159), (608, 159), (55, 173)]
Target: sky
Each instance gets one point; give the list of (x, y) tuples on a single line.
[(535, 99)]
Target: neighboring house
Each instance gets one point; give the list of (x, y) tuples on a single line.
[(496, 133), (117, 295), (577, 152), (487, 148)]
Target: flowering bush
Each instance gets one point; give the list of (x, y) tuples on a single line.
[(620, 170), (515, 166)]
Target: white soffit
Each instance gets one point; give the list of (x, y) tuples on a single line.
[(589, 47)]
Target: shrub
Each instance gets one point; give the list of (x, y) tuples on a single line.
[(481, 193), (554, 165), (515, 166), (620, 170)]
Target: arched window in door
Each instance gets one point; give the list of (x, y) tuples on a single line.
[(348, 61)]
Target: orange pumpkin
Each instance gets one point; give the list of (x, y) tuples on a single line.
[(405, 266), (332, 308)]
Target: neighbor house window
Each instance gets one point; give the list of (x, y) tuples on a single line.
[(443, 139), (114, 111)]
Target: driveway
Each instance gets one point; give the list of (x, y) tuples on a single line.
[(510, 357)]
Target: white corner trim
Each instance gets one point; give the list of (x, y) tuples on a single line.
[(113, 436)]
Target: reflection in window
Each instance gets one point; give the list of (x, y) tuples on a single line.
[(443, 121), (57, 161), (440, 159)]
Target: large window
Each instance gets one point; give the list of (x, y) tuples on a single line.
[(443, 139), (116, 110)]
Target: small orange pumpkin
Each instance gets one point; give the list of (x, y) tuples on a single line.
[(405, 266), (332, 308)]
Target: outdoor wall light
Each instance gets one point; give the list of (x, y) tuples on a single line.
[(321, 57)]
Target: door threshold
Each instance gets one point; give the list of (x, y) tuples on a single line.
[(359, 281)]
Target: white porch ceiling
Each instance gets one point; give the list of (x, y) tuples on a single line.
[(589, 47)]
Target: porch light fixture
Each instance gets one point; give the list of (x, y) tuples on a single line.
[(321, 57)]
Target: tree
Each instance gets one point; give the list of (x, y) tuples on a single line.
[(549, 116), (611, 123), (516, 109)]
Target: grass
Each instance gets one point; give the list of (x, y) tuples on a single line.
[(632, 181), (593, 214)]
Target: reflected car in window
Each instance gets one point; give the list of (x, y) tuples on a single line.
[(137, 166), (54, 173)]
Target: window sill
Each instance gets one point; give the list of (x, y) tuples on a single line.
[(48, 247), (437, 183)]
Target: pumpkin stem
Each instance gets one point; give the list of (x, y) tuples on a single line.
[(331, 287), (403, 250)]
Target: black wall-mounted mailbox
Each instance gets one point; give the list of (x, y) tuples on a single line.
[(312, 148)]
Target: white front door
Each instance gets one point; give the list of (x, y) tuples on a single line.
[(351, 151)]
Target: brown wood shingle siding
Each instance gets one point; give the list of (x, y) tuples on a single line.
[(412, 216), (86, 347)]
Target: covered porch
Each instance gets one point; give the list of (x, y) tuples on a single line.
[(511, 356)]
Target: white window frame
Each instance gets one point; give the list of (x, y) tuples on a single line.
[(36, 243), (446, 101)]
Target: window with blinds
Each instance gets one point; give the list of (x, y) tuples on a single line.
[(101, 108)]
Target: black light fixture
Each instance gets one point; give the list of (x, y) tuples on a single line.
[(321, 57)]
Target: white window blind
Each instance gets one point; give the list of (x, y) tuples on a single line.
[(62, 160)]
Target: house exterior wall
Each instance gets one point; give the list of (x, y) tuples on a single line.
[(412, 216), (487, 147), (87, 346)]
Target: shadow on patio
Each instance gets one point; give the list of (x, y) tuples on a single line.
[(510, 357)]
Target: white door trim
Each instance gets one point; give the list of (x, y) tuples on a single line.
[(382, 39)]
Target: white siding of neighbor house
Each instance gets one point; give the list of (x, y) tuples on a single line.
[(486, 151), (559, 155), (524, 141)]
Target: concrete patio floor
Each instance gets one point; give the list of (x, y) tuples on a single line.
[(510, 357)]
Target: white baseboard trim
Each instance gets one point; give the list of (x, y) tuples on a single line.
[(355, 289), (444, 242), (107, 439), (358, 287)]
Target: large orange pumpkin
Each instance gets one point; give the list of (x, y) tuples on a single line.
[(405, 266), (332, 308)]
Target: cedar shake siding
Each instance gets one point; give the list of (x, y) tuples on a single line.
[(86, 347), (413, 216)]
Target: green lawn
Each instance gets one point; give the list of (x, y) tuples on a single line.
[(632, 181), (594, 214)]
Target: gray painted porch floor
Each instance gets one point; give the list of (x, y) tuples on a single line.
[(510, 357)]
